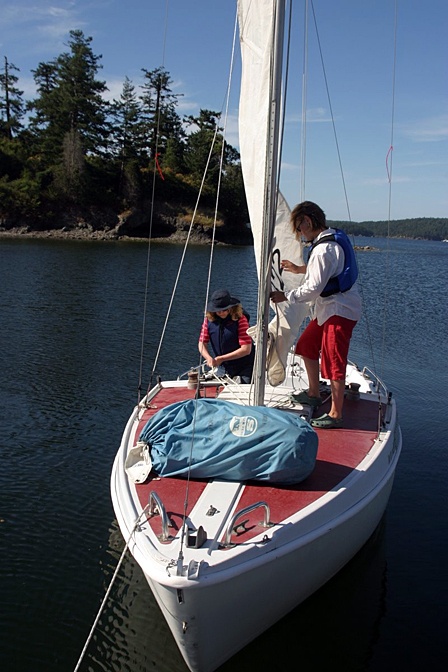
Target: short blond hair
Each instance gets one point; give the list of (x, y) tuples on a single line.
[(235, 313)]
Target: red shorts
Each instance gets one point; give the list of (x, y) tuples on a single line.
[(331, 340)]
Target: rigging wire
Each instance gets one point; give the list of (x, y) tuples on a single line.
[(193, 218), (331, 112), (151, 219), (221, 164), (389, 171), (304, 104), (145, 301), (389, 175), (389, 156), (176, 282), (221, 161)]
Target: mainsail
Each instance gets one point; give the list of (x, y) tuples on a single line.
[(256, 25)]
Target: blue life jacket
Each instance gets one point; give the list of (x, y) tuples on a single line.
[(224, 339), (347, 278)]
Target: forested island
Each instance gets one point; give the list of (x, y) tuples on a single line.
[(421, 228), (75, 165)]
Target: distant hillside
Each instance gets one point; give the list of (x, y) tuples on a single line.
[(426, 228)]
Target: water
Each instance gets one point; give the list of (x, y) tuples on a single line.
[(71, 335)]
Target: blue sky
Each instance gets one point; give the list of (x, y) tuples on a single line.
[(192, 40)]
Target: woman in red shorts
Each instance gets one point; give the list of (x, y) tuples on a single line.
[(330, 281)]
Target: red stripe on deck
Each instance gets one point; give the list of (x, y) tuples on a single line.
[(340, 451), (172, 491)]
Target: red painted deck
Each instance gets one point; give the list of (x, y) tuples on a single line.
[(339, 452)]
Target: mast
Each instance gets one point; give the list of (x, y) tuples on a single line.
[(270, 202)]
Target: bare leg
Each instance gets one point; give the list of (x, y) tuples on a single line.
[(337, 398), (312, 369)]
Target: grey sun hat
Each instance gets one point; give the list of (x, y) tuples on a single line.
[(221, 300)]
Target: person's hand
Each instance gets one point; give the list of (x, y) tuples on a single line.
[(277, 296), (292, 268)]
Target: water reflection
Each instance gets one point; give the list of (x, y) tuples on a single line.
[(132, 634)]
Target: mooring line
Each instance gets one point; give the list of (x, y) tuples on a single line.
[(106, 596)]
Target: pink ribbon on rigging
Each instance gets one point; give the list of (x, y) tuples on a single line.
[(159, 170), (391, 149)]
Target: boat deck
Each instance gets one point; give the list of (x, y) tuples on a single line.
[(340, 451)]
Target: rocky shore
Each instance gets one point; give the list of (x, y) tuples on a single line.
[(168, 225)]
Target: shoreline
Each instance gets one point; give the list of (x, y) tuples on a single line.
[(100, 236), (111, 235)]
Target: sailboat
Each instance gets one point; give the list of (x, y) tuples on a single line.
[(228, 552)]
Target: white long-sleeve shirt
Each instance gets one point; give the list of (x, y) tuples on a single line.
[(326, 261)]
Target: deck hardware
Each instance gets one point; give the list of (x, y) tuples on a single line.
[(172, 563), (180, 596), (184, 626), (156, 508), (211, 511), (197, 540), (193, 379), (232, 524), (241, 527), (353, 391)]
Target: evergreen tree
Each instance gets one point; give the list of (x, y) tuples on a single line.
[(128, 142), (11, 102), (233, 203), (70, 100), (174, 156), (70, 174), (45, 136), (127, 131), (159, 109), (200, 144)]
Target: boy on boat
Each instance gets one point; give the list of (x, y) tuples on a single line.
[(330, 281)]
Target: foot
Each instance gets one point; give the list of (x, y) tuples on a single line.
[(306, 399), (327, 422)]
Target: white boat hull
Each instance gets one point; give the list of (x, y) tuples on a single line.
[(215, 621), (216, 601)]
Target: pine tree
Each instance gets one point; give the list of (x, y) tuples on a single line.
[(127, 129), (70, 99), (159, 109), (204, 145), (128, 141), (70, 174), (174, 156), (11, 102)]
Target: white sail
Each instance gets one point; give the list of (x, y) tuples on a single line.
[(256, 25)]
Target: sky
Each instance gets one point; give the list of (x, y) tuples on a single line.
[(383, 85)]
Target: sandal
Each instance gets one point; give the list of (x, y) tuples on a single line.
[(327, 422), (304, 398)]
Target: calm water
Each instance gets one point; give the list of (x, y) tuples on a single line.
[(71, 334)]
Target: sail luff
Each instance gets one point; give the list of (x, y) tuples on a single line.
[(270, 207), (261, 26)]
